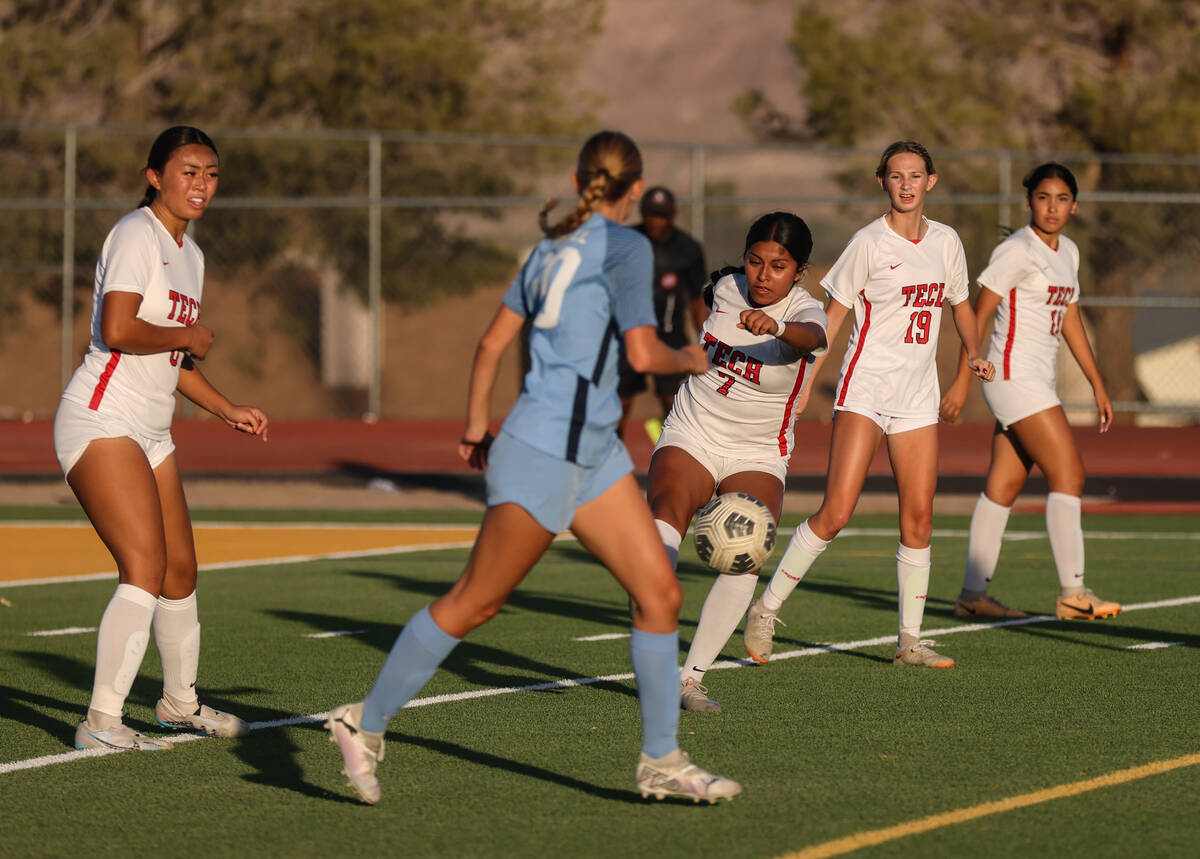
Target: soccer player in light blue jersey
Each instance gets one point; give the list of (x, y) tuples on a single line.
[(557, 464)]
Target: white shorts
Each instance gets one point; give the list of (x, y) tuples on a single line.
[(76, 426), (1012, 400), (719, 466), (890, 424)]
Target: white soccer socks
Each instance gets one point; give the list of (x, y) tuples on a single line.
[(912, 583), (802, 550), (121, 643), (984, 538), (177, 635), (671, 540), (1066, 541), (723, 610)]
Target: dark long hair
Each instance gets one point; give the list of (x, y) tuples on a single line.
[(164, 146), (783, 227), (1049, 170)]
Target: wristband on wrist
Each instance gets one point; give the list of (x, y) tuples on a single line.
[(782, 329)]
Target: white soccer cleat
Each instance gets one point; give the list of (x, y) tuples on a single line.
[(759, 635), (676, 775), (361, 750), (205, 720), (118, 737), (693, 696)]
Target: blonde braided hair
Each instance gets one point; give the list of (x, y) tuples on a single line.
[(609, 164)]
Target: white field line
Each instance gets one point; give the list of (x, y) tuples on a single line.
[(1154, 645), (334, 634), (70, 630), (67, 757)]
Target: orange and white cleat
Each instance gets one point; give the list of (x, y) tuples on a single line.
[(1085, 606), (985, 606)]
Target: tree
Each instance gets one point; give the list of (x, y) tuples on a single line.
[(1090, 76), (500, 66)]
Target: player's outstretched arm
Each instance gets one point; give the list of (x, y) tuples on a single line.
[(647, 354), (501, 331), (1077, 341), (194, 386)]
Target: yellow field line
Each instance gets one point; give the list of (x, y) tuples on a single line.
[(947, 818)]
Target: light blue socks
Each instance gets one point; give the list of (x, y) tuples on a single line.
[(416, 655), (655, 659)]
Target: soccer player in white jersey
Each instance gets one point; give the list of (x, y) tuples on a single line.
[(731, 429), (896, 274), (1031, 284), (557, 464), (112, 436)]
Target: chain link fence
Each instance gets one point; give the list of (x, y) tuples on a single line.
[(349, 274)]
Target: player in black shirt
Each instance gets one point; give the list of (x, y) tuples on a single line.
[(679, 279)]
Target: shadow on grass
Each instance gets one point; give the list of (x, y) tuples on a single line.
[(273, 755), (474, 756), (478, 664)]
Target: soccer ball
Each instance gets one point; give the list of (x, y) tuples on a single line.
[(734, 533)]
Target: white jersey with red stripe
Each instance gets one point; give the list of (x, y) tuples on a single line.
[(896, 288), (744, 404), (1036, 284), (140, 256)]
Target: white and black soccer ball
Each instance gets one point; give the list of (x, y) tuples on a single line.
[(734, 533)]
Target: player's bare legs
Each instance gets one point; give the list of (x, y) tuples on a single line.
[(510, 542), (914, 463), (728, 599), (679, 486), (176, 621), (117, 490), (618, 529), (851, 449), (1044, 439)]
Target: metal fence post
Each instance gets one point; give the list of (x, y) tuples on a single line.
[(1005, 168), (374, 283), (698, 192), (67, 357)]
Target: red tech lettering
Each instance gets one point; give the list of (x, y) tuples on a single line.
[(924, 294), (1060, 296), (726, 356), (175, 298)]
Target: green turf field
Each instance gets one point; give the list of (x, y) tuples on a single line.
[(829, 742)]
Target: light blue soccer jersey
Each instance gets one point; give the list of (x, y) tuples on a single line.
[(581, 292)]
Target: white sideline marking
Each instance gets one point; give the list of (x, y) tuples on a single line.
[(67, 757), (1153, 645), (70, 630), (334, 634)]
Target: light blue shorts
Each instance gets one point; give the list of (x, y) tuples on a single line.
[(548, 487)]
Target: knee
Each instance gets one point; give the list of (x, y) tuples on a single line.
[(828, 522), (661, 605), (916, 527)]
